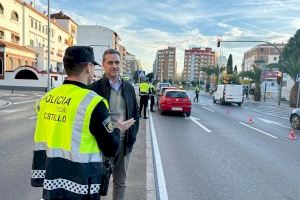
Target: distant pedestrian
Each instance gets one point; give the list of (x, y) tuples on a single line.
[(197, 91), (152, 94)]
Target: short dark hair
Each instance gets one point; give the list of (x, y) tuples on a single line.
[(110, 51), (74, 68)]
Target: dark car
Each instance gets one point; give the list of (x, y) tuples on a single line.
[(295, 118)]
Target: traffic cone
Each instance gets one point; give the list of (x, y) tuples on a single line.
[(292, 135), (250, 120)]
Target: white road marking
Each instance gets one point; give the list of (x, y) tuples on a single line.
[(32, 117), (276, 116), (272, 122), (270, 135), (9, 103), (21, 102), (194, 119), (162, 188), (245, 107), (5, 112), (208, 109)]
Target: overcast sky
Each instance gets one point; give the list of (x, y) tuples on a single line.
[(146, 26)]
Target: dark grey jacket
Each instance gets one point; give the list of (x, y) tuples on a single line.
[(102, 87)]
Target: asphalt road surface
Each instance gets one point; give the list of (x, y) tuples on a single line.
[(217, 154)]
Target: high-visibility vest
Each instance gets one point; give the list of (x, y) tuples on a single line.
[(144, 88), (65, 150)]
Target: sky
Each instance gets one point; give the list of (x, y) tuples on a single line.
[(146, 26)]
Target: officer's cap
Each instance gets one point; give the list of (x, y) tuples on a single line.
[(80, 54)]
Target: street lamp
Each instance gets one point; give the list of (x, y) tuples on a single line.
[(48, 68)]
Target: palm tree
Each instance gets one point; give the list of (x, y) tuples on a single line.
[(209, 71), (255, 76), (292, 68)]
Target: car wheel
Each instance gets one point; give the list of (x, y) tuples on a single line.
[(222, 102), (295, 121), (239, 104), (162, 112), (188, 114), (214, 100)]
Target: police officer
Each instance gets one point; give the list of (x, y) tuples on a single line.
[(73, 133), (152, 94), (197, 91), (144, 90)]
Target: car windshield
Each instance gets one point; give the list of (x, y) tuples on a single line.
[(176, 94)]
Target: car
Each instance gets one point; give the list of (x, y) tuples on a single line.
[(229, 93), (295, 119), (175, 101), (162, 90)]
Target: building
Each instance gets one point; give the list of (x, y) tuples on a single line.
[(132, 65), (165, 66), (261, 55), (100, 38), (123, 66), (194, 59), (24, 39)]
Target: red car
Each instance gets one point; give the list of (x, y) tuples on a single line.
[(175, 101)]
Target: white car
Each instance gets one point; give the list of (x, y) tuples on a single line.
[(229, 93)]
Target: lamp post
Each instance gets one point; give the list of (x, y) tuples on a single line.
[(48, 68)]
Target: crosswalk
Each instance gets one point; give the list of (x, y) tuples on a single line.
[(279, 112)]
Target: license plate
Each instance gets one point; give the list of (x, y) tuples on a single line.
[(176, 109)]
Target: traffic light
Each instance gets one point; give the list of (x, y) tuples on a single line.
[(279, 78), (218, 43)]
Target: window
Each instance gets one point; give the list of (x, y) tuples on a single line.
[(59, 39), (275, 58), (43, 29), (40, 28), (1, 34), (14, 16), (261, 50), (35, 25), (15, 39), (31, 22), (1, 9)]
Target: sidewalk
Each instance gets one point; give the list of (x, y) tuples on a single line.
[(140, 180), (3, 103)]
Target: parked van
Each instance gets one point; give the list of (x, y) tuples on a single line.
[(229, 93)]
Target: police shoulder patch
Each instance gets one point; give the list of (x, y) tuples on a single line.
[(108, 125)]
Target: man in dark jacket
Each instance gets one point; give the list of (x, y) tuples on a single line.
[(123, 105)]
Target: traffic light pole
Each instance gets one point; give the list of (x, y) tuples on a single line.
[(261, 41)]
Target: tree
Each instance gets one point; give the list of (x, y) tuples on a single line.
[(209, 71), (229, 65), (255, 76), (235, 70), (289, 62)]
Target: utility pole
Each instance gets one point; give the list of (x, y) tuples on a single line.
[(49, 29)]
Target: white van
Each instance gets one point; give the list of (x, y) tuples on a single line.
[(229, 93)]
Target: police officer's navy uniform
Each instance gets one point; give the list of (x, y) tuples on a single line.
[(73, 131)]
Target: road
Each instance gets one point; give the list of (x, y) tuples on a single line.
[(17, 123), (216, 154)]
